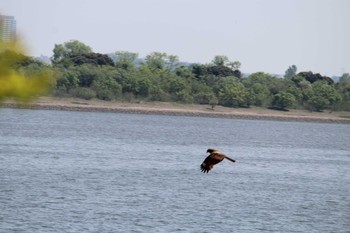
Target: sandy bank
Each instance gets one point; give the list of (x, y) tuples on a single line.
[(161, 108)]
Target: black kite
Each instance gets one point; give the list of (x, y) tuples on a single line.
[(214, 157)]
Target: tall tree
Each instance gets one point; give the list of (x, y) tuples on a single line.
[(156, 60), (220, 60), (345, 78), (125, 59), (70, 48), (291, 71), (172, 61)]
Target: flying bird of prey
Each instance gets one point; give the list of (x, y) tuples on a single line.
[(214, 157)]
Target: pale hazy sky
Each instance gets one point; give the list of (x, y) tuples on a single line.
[(264, 35)]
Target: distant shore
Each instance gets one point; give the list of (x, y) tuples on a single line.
[(176, 109)]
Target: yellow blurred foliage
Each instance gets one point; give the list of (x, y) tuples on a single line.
[(17, 84)]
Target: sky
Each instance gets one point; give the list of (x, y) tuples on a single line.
[(264, 35)]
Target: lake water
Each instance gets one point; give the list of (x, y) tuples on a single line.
[(107, 172)]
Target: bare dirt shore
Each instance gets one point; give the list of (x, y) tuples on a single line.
[(176, 109)]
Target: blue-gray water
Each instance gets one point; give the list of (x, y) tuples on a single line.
[(106, 172)]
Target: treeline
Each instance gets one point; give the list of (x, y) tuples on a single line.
[(80, 72)]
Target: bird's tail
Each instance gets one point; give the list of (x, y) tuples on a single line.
[(232, 160)]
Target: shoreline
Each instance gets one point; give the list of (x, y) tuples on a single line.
[(175, 109)]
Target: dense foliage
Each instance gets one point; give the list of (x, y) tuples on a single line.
[(84, 74)]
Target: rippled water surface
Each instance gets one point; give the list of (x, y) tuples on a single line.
[(106, 172)]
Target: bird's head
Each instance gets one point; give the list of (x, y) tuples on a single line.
[(210, 150)]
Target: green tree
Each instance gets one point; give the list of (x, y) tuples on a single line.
[(139, 82), (326, 91), (260, 94), (125, 59), (323, 96), (311, 77), (301, 82), (234, 95), (279, 84), (67, 79), (91, 58), (291, 71), (128, 81), (204, 97), (72, 47), (283, 100), (222, 82), (258, 77), (143, 86), (220, 60), (345, 78), (183, 96), (160, 61), (157, 93), (296, 92), (156, 60), (172, 61), (176, 85), (343, 88), (83, 93), (199, 70), (87, 73), (213, 101), (222, 66), (202, 94), (235, 65), (223, 71), (106, 88), (184, 72), (318, 103)]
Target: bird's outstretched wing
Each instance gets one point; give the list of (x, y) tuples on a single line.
[(211, 160)]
